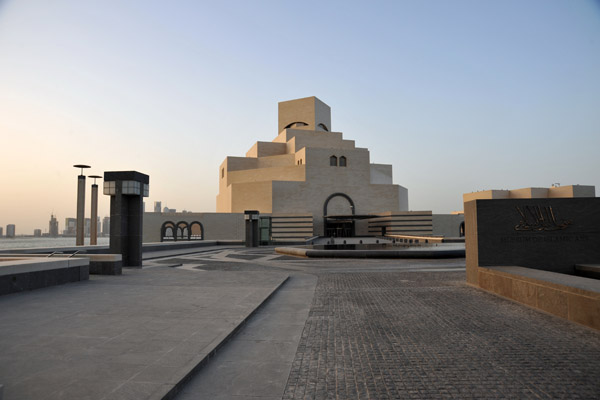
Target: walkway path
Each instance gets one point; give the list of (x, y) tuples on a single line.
[(345, 329), (134, 336)]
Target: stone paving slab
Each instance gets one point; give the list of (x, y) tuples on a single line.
[(122, 337)]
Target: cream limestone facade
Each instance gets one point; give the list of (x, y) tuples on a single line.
[(533, 192), (308, 169)]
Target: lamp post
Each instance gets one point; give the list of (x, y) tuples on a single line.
[(80, 205), (94, 213)]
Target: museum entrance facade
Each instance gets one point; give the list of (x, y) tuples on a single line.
[(339, 228), (338, 213)]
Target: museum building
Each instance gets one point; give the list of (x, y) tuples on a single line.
[(312, 171), (309, 181)]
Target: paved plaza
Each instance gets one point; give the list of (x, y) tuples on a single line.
[(335, 329)]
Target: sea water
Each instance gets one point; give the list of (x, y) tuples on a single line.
[(30, 242)]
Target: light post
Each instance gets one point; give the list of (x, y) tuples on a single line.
[(94, 213), (127, 190), (80, 205)]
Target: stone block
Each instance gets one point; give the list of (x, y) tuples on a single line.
[(524, 292), (553, 301), (584, 310), (485, 281), (501, 285)]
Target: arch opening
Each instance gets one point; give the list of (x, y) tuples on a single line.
[(167, 232), (323, 127), (196, 231), (297, 124), (334, 216), (183, 231)]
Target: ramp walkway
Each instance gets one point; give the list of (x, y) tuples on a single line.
[(135, 336)]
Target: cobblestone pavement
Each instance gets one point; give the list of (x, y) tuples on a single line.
[(405, 335)]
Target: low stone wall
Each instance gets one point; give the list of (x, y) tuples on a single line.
[(105, 264), (421, 253), (571, 297), (21, 273), (100, 264)]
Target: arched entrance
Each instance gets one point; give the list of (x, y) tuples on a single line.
[(167, 231), (338, 212), (183, 231), (196, 231)]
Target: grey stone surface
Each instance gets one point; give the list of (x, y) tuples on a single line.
[(130, 336), (397, 335), (373, 329), (403, 329), (257, 362)]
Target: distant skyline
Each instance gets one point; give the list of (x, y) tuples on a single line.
[(458, 96)]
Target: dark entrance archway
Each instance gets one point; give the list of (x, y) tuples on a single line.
[(339, 223)]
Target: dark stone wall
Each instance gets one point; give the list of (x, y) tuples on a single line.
[(106, 267), (547, 234), (20, 282)]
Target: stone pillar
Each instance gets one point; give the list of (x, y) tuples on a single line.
[(94, 216), (80, 210), (252, 229), (127, 190)]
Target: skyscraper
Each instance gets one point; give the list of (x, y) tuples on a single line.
[(157, 206), (10, 230), (70, 227), (86, 227), (53, 226)]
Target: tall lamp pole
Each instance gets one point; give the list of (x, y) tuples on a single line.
[(94, 214), (80, 205)]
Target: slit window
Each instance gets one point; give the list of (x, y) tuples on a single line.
[(222, 172)]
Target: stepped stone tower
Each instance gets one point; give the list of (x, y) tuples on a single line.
[(309, 169)]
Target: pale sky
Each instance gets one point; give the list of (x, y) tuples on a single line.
[(458, 96)]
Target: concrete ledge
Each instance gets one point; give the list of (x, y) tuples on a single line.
[(571, 297), (417, 239), (100, 264), (303, 252), (21, 274), (146, 247)]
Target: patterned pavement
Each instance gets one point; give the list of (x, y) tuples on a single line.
[(410, 335)]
